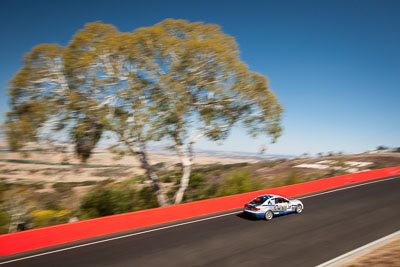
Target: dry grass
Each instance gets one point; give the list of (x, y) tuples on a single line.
[(103, 165), (383, 256), (46, 166), (379, 160)]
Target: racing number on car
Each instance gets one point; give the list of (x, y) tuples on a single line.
[(278, 205)]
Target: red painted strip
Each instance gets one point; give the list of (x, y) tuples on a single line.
[(63, 233)]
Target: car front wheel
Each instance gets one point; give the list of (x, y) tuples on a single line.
[(299, 208), (269, 215)]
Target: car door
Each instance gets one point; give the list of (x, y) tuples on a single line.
[(288, 204), (279, 206)]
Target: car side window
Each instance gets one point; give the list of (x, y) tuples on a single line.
[(280, 200), (269, 202)]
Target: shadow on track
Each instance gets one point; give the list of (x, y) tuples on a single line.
[(244, 216)]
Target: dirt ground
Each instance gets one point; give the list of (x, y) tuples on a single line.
[(377, 161), (383, 256), (42, 164), (102, 165)]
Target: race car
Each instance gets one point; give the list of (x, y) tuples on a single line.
[(266, 206)]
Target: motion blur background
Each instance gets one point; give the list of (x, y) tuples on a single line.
[(333, 64)]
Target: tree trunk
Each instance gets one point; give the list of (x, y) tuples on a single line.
[(141, 152), (186, 158), (187, 163), (160, 194)]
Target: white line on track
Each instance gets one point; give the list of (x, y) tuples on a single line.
[(180, 224)]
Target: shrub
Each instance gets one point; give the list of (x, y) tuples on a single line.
[(4, 222), (3, 187), (166, 179), (102, 202), (195, 190), (198, 188), (115, 199), (41, 218), (293, 178), (146, 199), (239, 182), (196, 180)]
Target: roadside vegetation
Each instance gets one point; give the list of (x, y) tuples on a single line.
[(30, 205)]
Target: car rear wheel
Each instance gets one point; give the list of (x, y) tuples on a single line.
[(299, 208), (269, 215)]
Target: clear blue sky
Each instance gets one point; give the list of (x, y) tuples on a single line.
[(335, 65)]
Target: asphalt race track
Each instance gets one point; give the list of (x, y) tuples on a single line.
[(331, 224)]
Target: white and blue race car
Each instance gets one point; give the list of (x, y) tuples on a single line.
[(266, 206)]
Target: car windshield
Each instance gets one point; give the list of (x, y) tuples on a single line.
[(260, 200)]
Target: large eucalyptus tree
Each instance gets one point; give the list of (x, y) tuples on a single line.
[(175, 80), (203, 89)]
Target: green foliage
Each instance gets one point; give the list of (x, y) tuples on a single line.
[(293, 178), (3, 188), (22, 122), (197, 179), (102, 202), (113, 199), (41, 218), (201, 181), (200, 185), (177, 175), (4, 221), (166, 179), (145, 199), (196, 189), (86, 133), (199, 188), (239, 182)]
